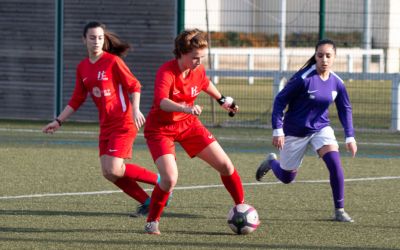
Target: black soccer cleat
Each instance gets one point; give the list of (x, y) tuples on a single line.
[(265, 166)]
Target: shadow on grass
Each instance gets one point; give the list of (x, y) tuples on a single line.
[(54, 230), (59, 213), (89, 214), (137, 244)]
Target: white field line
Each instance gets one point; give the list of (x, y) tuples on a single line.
[(223, 138), (192, 187)]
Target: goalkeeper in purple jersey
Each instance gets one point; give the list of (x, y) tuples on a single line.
[(307, 97)]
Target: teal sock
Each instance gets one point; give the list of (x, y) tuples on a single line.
[(147, 202), (158, 178)]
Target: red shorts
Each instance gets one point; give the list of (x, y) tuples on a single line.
[(118, 143), (191, 134)]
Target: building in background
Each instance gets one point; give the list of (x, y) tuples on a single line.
[(302, 17)]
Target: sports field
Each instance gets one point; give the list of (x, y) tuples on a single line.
[(52, 196)]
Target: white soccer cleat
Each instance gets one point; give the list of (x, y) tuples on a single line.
[(152, 228), (265, 166), (342, 216)]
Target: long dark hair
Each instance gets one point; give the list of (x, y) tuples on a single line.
[(312, 60), (112, 43)]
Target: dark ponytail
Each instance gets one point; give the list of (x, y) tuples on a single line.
[(112, 43), (312, 60)]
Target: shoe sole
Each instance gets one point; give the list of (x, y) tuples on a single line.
[(345, 221), (153, 233)]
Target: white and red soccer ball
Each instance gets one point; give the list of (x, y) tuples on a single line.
[(243, 219)]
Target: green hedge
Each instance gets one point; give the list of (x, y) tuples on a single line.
[(242, 39)]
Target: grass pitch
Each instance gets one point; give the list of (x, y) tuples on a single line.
[(53, 196)]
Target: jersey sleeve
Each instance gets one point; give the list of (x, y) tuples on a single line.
[(292, 88), (205, 80), (163, 82), (344, 110), (80, 93), (125, 76)]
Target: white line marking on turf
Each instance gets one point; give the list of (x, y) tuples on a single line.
[(40, 131), (222, 138), (193, 187)]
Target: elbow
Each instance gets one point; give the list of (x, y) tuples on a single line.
[(165, 105)]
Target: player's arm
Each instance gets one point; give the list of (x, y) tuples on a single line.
[(227, 103), (345, 114), (292, 88), (132, 85), (162, 88), (78, 97), (169, 105), (58, 121), (137, 114)]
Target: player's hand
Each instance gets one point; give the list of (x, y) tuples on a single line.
[(278, 141), (352, 148), (194, 110), (229, 104), (51, 127), (139, 118), (233, 109), (197, 109)]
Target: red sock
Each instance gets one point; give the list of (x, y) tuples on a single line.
[(158, 200), (234, 186), (131, 188), (141, 174)]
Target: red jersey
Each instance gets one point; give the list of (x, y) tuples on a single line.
[(170, 84), (109, 82)]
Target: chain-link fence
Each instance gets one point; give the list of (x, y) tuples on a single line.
[(255, 44)]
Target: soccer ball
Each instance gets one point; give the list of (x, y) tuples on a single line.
[(243, 219)]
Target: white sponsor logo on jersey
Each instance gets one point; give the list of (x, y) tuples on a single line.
[(107, 92), (101, 76), (96, 92), (194, 91)]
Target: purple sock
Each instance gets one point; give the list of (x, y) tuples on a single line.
[(283, 175), (332, 161)]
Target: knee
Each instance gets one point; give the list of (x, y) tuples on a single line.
[(112, 173), (288, 176), (168, 182), (226, 168)]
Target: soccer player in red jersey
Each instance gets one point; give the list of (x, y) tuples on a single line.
[(174, 118), (105, 76)]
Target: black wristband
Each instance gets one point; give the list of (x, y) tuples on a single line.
[(221, 100), (58, 121)]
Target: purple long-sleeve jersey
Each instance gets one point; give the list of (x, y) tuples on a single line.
[(308, 98)]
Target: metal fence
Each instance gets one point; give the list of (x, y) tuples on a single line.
[(374, 97), (254, 46), (257, 44)]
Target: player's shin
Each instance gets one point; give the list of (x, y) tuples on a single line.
[(233, 184), (332, 161), (159, 198)]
